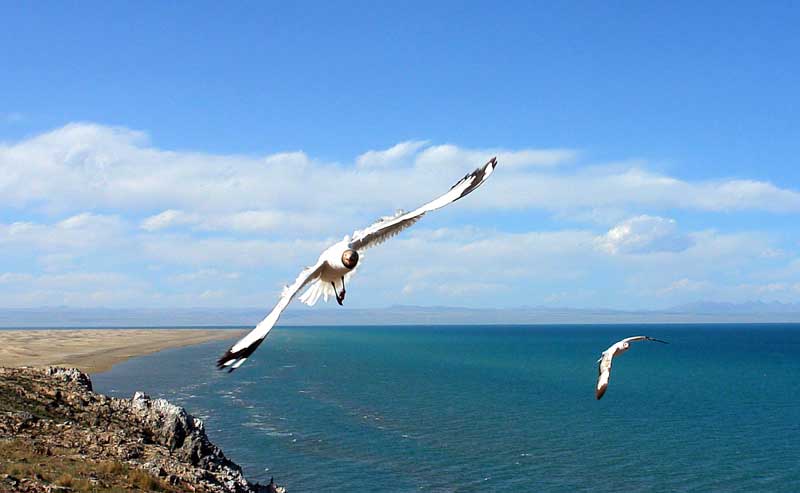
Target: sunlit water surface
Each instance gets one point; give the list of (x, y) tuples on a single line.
[(458, 409)]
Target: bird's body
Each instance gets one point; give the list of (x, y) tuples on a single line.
[(606, 357), (333, 275), (329, 275), (334, 269)]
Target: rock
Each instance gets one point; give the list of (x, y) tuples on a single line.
[(143, 433), (10, 480), (71, 375)]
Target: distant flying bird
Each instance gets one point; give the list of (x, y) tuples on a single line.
[(336, 264), (604, 363)]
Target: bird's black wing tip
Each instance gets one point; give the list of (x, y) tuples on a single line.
[(600, 393), (233, 358), (477, 176), (228, 356)]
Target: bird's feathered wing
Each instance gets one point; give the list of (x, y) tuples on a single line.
[(239, 352), (371, 236), (387, 227), (604, 363), (603, 374), (633, 339), (643, 338)]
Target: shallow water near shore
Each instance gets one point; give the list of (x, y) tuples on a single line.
[(452, 409)]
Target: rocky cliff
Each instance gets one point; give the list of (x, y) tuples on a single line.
[(58, 435)]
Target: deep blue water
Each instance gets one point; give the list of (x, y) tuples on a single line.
[(458, 409)]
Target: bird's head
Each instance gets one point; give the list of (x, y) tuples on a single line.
[(350, 258)]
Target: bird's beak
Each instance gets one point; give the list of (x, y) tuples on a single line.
[(659, 340)]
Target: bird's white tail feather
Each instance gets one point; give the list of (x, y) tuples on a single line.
[(317, 289)]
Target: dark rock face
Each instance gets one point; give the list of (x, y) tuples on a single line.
[(55, 411)]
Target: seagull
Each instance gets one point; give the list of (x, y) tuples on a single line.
[(604, 363), (337, 263)]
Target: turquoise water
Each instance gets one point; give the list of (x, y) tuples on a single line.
[(458, 409)]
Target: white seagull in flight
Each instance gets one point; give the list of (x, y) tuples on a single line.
[(604, 363), (336, 264)]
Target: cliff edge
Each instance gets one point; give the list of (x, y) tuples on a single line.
[(57, 435)]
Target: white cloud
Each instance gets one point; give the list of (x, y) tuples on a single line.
[(745, 194), (450, 157), (612, 188), (685, 289), (206, 275), (93, 167), (14, 277), (644, 234), (105, 198), (222, 253), (54, 262), (450, 266), (530, 267), (685, 284), (773, 253), (82, 232), (398, 154), (80, 289), (244, 221), (167, 219), (455, 290), (453, 266), (212, 294)]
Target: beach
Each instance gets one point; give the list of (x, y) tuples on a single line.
[(95, 350)]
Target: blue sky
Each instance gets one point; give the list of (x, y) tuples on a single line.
[(152, 153)]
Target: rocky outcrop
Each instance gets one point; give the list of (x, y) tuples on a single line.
[(53, 416)]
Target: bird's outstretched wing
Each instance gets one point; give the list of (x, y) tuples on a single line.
[(387, 227), (239, 352), (603, 374), (643, 338), (604, 363)]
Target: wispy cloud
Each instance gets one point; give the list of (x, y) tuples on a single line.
[(81, 232), (242, 221), (104, 199), (206, 275), (85, 166), (399, 154), (80, 289), (607, 189)]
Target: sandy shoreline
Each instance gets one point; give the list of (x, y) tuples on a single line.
[(96, 350)]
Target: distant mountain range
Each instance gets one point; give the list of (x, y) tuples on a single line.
[(751, 307), (700, 312)]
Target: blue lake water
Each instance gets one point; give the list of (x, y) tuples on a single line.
[(458, 409)]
